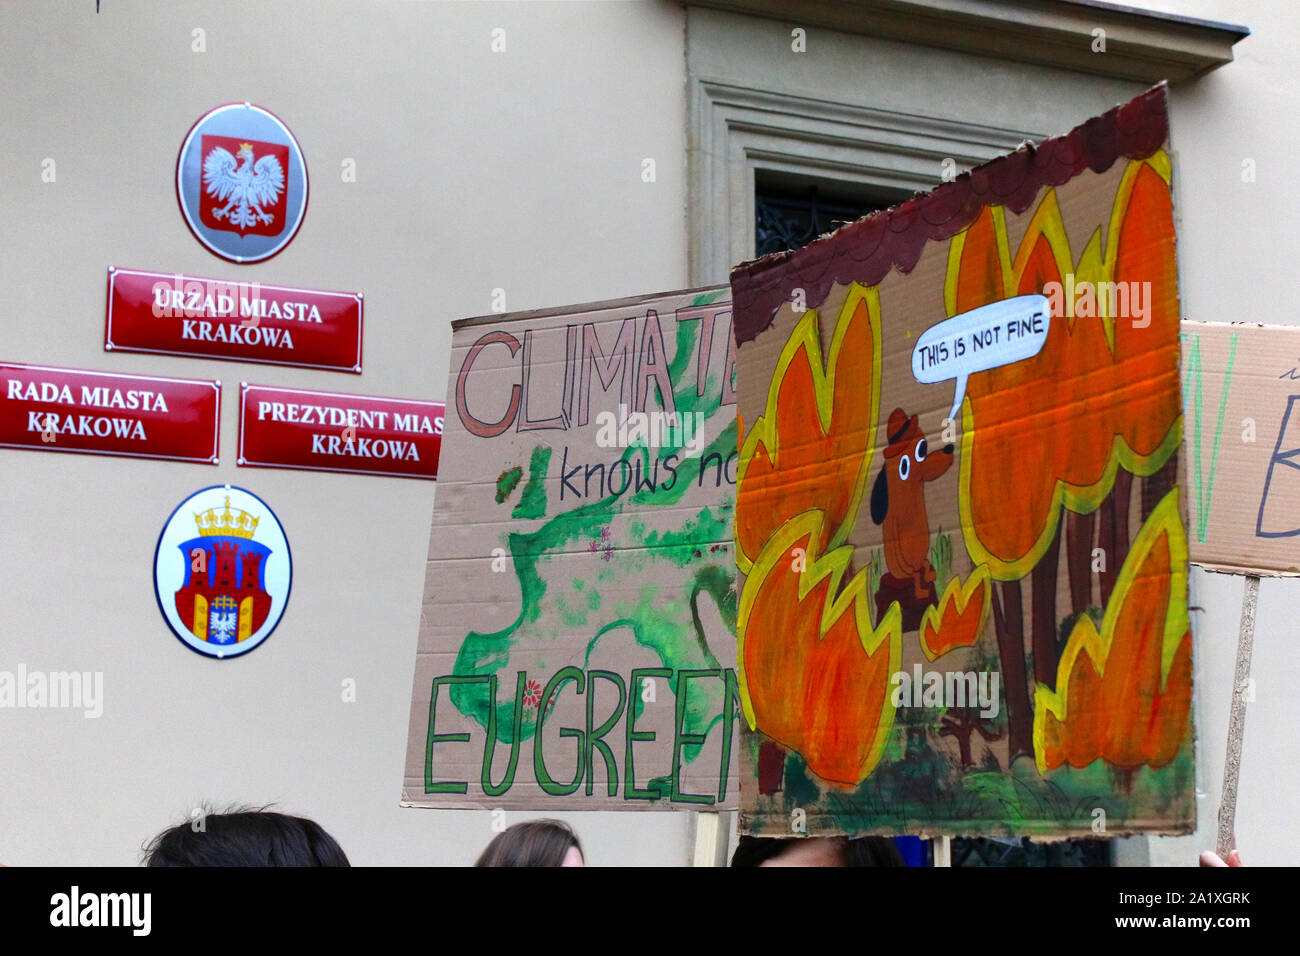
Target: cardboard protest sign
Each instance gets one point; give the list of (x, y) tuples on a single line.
[(1239, 378), (964, 567), (577, 637), (1242, 415)]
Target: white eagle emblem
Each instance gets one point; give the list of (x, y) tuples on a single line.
[(223, 625), (244, 188)]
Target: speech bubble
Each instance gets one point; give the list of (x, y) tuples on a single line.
[(999, 333)]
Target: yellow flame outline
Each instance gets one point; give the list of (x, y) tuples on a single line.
[(1086, 639), (805, 336), (961, 593), (833, 564), (1093, 266)]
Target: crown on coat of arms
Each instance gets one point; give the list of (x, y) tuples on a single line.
[(228, 522), (245, 147)]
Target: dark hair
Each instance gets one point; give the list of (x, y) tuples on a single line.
[(533, 843), (245, 837), (859, 851), (872, 851)]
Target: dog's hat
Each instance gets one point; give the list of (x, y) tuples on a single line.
[(903, 432)]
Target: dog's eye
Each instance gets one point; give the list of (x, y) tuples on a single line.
[(904, 467), (922, 449)]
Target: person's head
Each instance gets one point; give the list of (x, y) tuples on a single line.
[(816, 851), (246, 837), (534, 843)]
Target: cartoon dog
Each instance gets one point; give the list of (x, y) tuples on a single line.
[(898, 504)]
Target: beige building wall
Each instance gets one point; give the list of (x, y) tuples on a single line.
[(1235, 251), (476, 171)]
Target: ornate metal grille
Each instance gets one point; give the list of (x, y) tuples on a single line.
[(788, 218)]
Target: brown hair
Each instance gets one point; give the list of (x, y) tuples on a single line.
[(859, 851), (534, 843)]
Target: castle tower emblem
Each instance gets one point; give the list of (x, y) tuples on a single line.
[(228, 583)]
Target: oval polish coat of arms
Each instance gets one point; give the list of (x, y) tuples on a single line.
[(222, 571), (241, 182)]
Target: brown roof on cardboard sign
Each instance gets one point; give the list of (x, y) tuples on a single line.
[(865, 251)]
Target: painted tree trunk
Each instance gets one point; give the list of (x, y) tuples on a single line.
[(1113, 538), (1008, 621), (1042, 582), (1079, 533), (1157, 486)]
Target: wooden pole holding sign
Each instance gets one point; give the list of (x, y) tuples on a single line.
[(1237, 720), (712, 829), (942, 851)]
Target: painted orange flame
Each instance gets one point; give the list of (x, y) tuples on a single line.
[(959, 619), (814, 674), (1124, 693), (812, 446), (1101, 394)]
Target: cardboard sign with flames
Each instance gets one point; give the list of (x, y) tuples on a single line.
[(963, 595)]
